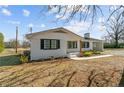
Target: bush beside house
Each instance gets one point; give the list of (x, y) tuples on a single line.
[(90, 53), (87, 53)]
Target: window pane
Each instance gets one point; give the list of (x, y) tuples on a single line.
[(72, 44), (53, 44), (46, 44), (85, 44)]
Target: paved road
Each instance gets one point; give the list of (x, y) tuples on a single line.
[(118, 52)]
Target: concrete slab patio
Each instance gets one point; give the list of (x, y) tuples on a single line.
[(87, 58)]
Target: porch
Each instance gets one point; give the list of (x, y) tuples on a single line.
[(83, 46)]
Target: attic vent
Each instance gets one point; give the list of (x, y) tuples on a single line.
[(87, 35), (59, 31)]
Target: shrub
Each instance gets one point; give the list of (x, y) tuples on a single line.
[(27, 53), (121, 45), (87, 53), (24, 59), (1, 42), (96, 52)]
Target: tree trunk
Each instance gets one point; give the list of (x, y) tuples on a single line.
[(116, 43)]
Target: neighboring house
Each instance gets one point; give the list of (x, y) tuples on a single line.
[(60, 42)]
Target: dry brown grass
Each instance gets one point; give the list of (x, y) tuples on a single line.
[(65, 72), (11, 51)]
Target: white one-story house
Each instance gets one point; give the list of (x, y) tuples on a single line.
[(60, 42)]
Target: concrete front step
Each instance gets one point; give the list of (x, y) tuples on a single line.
[(72, 54)]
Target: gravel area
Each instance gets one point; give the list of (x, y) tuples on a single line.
[(117, 52)]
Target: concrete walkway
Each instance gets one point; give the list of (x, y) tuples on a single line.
[(86, 58)]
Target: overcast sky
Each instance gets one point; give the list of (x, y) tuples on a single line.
[(26, 16)]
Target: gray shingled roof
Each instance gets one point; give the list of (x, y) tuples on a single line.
[(64, 29)]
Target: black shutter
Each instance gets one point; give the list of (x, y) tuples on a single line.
[(42, 44), (88, 45), (58, 41)]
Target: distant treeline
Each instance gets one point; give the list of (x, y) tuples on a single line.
[(113, 45), (12, 44)]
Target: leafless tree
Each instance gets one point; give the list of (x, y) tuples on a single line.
[(82, 12), (115, 27)]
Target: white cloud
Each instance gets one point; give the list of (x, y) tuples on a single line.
[(57, 16), (42, 25), (101, 24), (84, 9), (30, 25), (26, 12), (101, 27), (14, 22), (78, 27), (6, 12), (61, 17), (37, 26), (5, 5), (53, 10), (101, 20), (114, 7)]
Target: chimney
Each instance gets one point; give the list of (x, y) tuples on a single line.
[(87, 35)]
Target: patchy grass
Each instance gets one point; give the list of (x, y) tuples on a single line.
[(11, 51), (96, 72), (9, 60), (9, 57)]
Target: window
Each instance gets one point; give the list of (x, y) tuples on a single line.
[(72, 44), (50, 44), (46, 44), (53, 44), (85, 44)]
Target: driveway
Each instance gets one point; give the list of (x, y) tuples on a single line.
[(117, 52)]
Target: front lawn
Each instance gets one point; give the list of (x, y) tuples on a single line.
[(9, 60), (65, 72), (9, 57)]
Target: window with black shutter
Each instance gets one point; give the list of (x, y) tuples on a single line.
[(50, 44)]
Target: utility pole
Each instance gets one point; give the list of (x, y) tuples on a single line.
[(30, 30), (16, 39)]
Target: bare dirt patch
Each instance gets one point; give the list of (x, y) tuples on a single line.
[(65, 73)]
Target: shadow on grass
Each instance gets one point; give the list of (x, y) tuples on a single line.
[(9, 60)]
